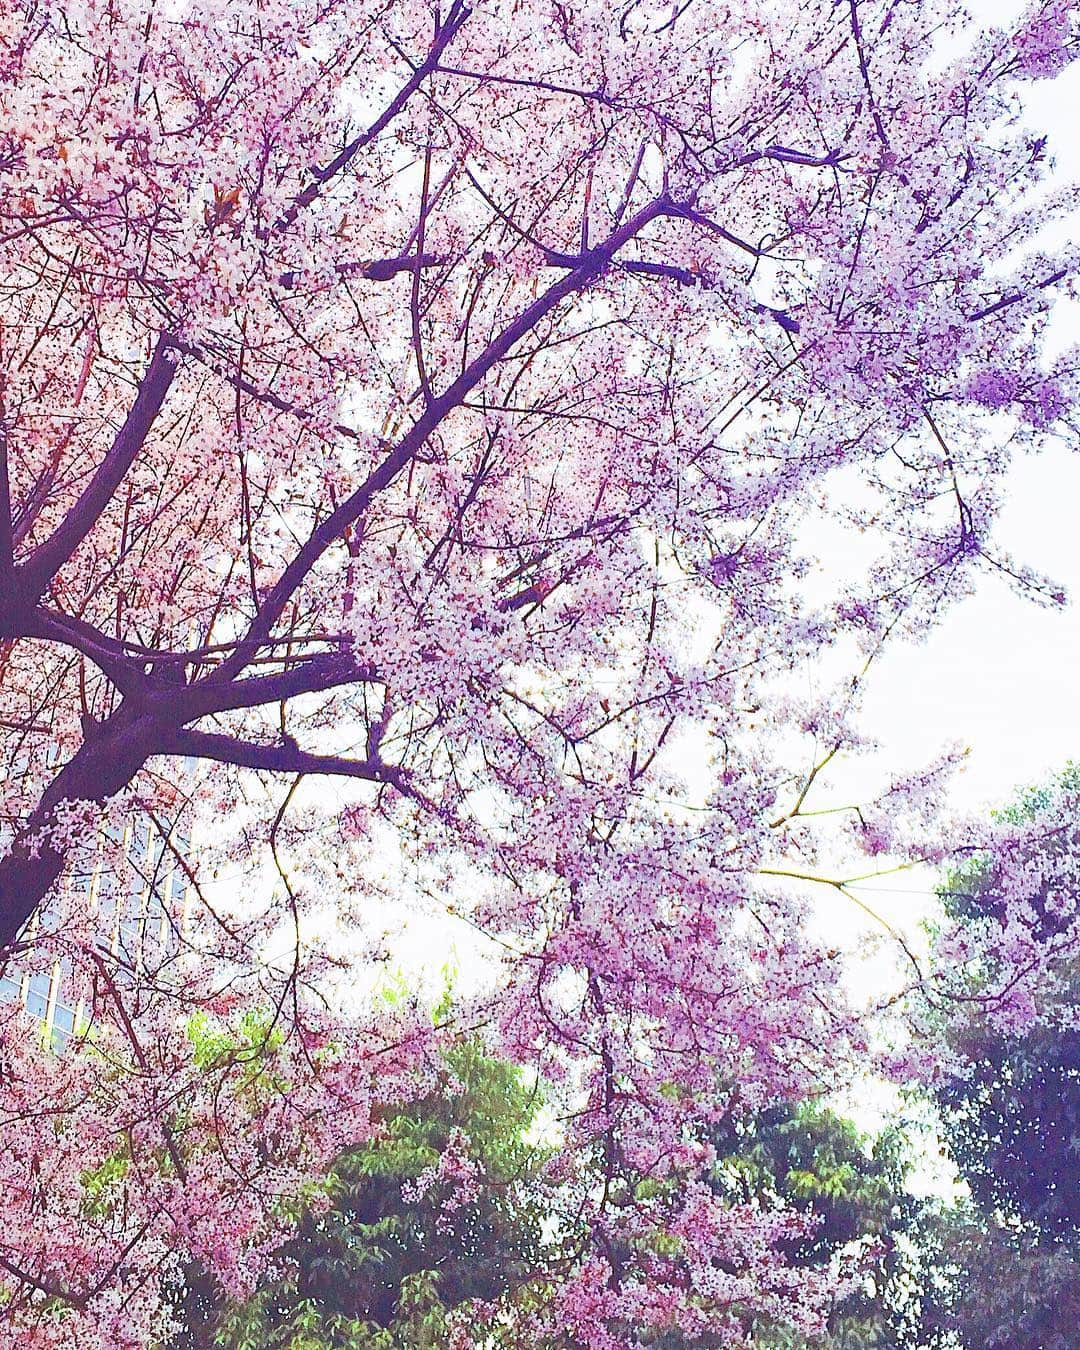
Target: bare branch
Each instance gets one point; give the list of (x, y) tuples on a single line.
[(457, 16)]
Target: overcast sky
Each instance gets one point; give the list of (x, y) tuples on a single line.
[(1002, 675)]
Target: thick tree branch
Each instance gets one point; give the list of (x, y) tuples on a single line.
[(591, 266), (316, 675), (106, 762), (7, 554), (685, 211), (34, 575), (378, 269), (1014, 297), (284, 757), (43, 1284), (108, 655), (685, 277)]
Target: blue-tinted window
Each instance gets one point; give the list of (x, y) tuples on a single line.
[(63, 1025), (159, 858), (106, 905), (129, 936), (80, 882), (155, 923), (37, 995), (137, 857), (140, 838), (177, 888)]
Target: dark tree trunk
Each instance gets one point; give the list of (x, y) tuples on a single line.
[(107, 761)]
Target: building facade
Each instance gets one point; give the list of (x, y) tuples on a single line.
[(140, 909)]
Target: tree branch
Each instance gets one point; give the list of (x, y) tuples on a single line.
[(43, 1285), (116, 664), (377, 269), (315, 675), (591, 266), (451, 27), (284, 757), (7, 550), (1014, 297), (112, 754), (34, 575)]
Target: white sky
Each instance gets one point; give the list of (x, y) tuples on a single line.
[(999, 675)]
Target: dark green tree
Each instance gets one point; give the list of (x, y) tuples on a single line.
[(983, 1283), (1004, 1269), (389, 1245), (852, 1186), (1013, 1126), (1012, 1122)]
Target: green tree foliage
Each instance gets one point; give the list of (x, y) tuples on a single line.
[(389, 1246), (394, 1241), (1012, 1122), (852, 1186), (984, 1284), (1004, 1269), (1013, 1126), (814, 1160), (388, 1260)]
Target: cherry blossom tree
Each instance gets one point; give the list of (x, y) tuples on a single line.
[(411, 418)]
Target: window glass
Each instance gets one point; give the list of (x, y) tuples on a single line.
[(63, 1025), (37, 995)]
